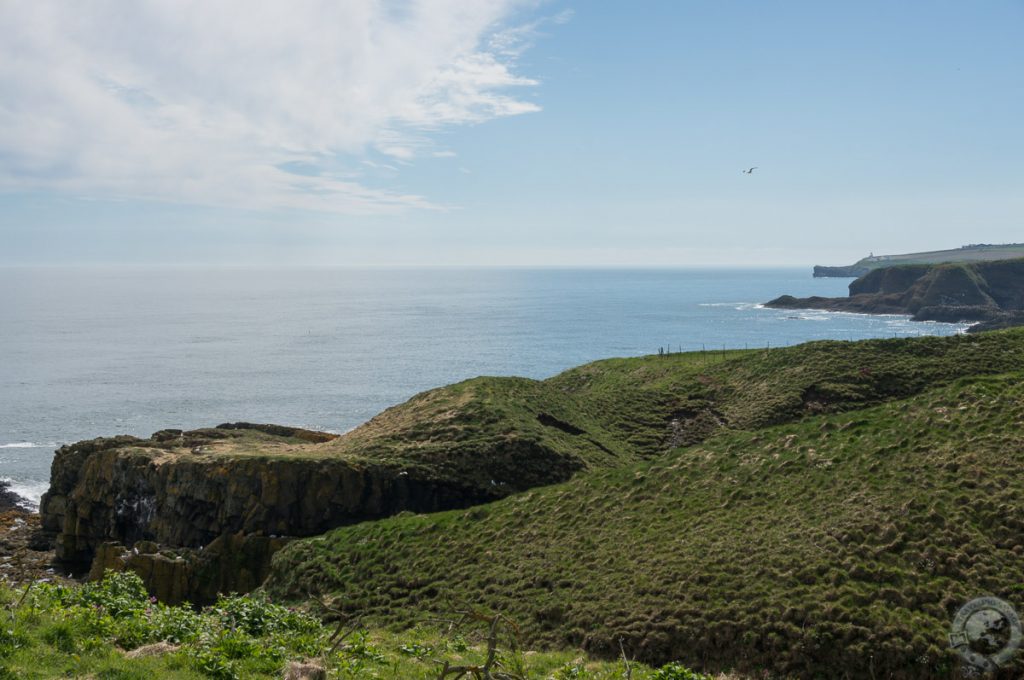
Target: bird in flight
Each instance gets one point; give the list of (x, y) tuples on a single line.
[(750, 171)]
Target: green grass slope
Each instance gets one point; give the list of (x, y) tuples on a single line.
[(848, 498), (501, 434), (495, 435), (509, 434)]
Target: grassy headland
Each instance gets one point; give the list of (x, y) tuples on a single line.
[(811, 511), (843, 500), (617, 411), (981, 252)]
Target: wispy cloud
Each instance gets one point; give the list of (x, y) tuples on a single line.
[(241, 103)]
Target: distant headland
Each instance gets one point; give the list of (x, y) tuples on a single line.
[(989, 293), (974, 252)]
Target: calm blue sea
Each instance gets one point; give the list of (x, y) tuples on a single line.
[(93, 352)]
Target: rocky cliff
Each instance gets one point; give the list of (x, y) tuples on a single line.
[(987, 292), (850, 271), (230, 484), (196, 500), (188, 488)]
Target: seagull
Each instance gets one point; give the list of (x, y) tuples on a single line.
[(749, 172)]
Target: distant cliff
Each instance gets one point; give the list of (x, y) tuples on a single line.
[(991, 293), (975, 252), (851, 271)]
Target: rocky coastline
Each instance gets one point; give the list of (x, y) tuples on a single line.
[(11, 501), (988, 294), (25, 553)]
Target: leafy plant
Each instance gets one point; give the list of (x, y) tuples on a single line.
[(571, 671), (676, 671)]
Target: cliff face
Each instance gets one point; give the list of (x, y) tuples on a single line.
[(190, 489), (849, 271), (991, 292), (919, 286), (200, 499), (130, 495), (231, 563)]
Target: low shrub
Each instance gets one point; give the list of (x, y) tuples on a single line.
[(51, 630)]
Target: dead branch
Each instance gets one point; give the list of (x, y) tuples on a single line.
[(625, 661), (21, 600), (491, 668), (341, 633)]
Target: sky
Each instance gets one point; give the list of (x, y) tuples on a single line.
[(507, 132)]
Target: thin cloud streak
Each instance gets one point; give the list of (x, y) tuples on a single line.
[(216, 103)]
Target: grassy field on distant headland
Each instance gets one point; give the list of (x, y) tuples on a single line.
[(972, 253)]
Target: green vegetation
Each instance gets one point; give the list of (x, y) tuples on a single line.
[(51, 631), (963, 255), (514, 433), (814, 511), (990, 285), (490, 437), (54, 630), (972, 253)]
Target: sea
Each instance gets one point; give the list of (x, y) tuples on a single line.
[(88, 352)]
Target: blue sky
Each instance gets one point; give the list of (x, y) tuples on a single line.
[(505, 132)]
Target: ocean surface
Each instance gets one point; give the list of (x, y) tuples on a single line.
[(88, 352)]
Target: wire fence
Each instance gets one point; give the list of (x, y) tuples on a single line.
[(709, 350)]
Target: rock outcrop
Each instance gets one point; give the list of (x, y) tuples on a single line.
[(849, 271), (201, 512), (187, 489), (23, 559), (987, 292), (230, 563), (10, 500)]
